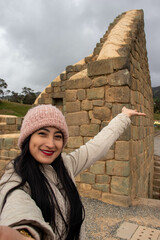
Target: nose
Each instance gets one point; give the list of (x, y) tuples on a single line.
[(50, 143)]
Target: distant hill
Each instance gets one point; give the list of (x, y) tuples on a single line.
[(156, 92)]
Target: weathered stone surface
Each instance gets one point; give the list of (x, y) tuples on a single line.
[(86, 105), (102, 113), (115, 46), (58, 95), (120, 185), (19, 120), (77, 118), (85, 187), (97, 50), (87, 177), (11, 120), (71, 95), (98, 168), (118, 168), (75, 142), (106, 66), (56, 89), (100, 81), (103, 178), (63, 76), (89, 130), (81, 94), (73, 106), (118, 94), (78, 83), (70, 68), (74, 131), (100, 67), (99, 103), (74, 68), (122, 150), (95, 93), (101, 187), (41, 100), (120, 78), (4, 154), (13, 153), (96, 194), (70, 74), (95, 121), (115, 199), (110, 154), (121, 63), (8, 143), (1, 143)]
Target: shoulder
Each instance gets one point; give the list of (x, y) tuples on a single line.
[(9, 178), (9, 171)]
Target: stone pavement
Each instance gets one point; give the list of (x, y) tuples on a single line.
[(134, 232), (108, 222)]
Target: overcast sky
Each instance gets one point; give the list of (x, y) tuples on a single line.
[(39, 38)]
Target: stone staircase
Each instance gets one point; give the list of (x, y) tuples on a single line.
[(9, 133), (156, 181)]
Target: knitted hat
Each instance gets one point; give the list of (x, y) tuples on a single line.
[(42, 116)]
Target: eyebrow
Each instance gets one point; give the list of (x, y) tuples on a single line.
[(47, 130)]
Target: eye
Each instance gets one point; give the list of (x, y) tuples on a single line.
[(41, 133), (58, 136)]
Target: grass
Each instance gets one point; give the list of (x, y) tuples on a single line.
[(156, 116), (12, 108)]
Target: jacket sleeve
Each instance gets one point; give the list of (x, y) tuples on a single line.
[(20, 211), (96, 148)]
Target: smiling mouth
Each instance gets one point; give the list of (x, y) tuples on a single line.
[(47, 153)]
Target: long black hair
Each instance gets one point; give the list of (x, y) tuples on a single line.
[(30, 172)]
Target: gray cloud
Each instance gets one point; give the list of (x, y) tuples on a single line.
[(38, 39)]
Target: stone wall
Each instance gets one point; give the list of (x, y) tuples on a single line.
[(9, 133), (93, 91)]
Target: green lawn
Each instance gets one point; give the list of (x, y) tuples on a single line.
[(12, 108), (156, 116)]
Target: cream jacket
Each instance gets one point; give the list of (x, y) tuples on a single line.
[(20, 210)]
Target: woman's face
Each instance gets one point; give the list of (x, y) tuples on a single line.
[(46, 144)]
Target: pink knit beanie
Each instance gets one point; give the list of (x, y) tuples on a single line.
[(42, 116)]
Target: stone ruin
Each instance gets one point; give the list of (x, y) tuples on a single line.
[(93, 91)]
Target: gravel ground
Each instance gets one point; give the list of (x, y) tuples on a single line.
[(102, 219)]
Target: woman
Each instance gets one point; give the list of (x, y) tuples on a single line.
[(38, 196)]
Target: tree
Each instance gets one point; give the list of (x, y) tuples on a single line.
[(15, 97), (26, 90), (29, 96), (3, 85), (156, 105)]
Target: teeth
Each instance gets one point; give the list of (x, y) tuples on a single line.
[(47, 151)]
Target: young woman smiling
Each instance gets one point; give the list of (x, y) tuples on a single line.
[(38, 196)]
